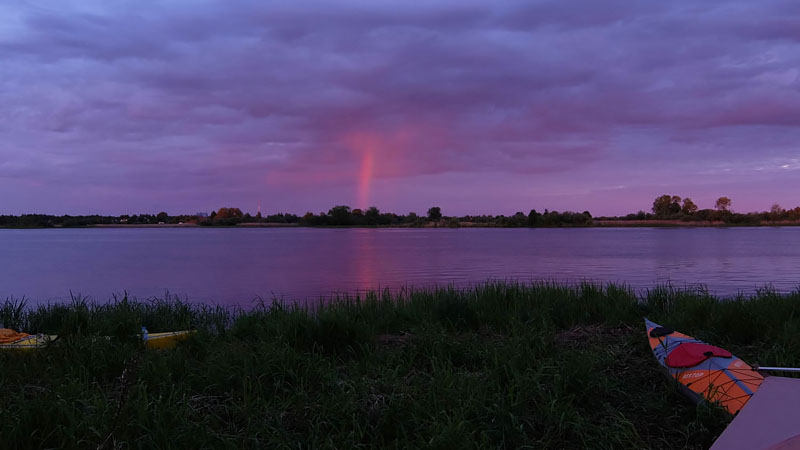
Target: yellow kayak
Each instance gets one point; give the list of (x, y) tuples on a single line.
[(29, 342), (168, 339)]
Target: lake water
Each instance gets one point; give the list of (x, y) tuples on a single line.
[(235, 266)]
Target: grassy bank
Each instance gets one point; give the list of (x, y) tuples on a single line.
[(499, 366)]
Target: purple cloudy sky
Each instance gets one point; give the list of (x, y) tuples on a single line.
[(128, 106)]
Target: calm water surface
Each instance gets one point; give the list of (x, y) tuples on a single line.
[(234, 266)]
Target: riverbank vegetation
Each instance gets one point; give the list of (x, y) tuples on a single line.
[(338, 216), (667, 210), (500, 365)]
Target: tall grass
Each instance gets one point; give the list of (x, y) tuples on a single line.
[(498, 365)]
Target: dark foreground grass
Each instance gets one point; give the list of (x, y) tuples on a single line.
[(502, 365)]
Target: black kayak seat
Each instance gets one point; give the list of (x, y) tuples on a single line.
[(661, 331)]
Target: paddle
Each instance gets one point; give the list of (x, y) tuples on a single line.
[(779, 369)]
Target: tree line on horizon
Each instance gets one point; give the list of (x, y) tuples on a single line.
[(673, 207), (665, 208), (340, 215), (343, 215)]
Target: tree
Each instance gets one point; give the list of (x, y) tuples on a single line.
[(519, 219), (340, 215), (310, 219), (435, 213), (372, 215), (162, 216), (533, 218), (688, 206), (776, 209), (723, 204), (666, 205), (228, 213)]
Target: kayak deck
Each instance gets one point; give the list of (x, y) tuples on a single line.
[(167, 339), (29, 342), (703, 371)]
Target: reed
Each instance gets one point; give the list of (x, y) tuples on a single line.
[(498, 365)]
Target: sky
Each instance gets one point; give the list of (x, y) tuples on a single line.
[(119, 107)]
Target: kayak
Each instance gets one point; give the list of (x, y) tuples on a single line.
[(704, 372), (28, 342), (167, 339)]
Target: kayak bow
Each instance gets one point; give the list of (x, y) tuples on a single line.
[(704, 372)]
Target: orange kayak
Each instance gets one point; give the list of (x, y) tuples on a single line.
[(167, 339), (704, 372)]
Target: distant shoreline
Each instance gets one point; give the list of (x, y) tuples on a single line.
[(192, 225), (666, 213), (680, 223), (598, 223)]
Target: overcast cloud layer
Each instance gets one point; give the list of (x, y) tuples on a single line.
[(184, 106)]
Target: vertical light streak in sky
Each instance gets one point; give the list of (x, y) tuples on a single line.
[(365, 146), (365, 178)]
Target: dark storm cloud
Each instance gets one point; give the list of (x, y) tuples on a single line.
[(207, 97)]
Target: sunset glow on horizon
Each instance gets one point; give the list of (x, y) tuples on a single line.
[(115, 108)]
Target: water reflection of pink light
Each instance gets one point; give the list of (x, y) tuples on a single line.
[(365, 260)]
